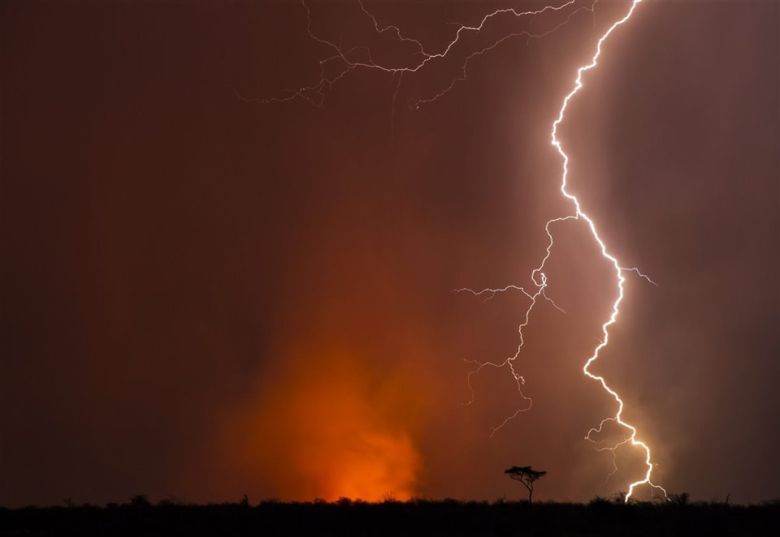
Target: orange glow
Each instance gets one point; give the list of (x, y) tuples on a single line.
[(376, 466), (327, 428)]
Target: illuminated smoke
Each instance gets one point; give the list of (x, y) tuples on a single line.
[(326, 427)]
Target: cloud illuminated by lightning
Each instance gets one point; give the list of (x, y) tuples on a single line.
[(361, 58)]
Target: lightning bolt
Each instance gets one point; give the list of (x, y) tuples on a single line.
[(348, 61), (620, 271)]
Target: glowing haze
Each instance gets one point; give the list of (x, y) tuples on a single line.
[(204, 297), (327, 428)]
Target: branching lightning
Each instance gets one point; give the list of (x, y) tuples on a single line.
[(361, 58)]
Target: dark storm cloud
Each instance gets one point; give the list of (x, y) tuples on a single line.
[(180, 266)]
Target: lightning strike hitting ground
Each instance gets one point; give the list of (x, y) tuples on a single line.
[(349, 61), (619, 270)]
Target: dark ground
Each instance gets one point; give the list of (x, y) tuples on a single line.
[(428, 518)]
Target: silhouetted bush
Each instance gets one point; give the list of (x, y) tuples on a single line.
[(140, 501), (420, 517)]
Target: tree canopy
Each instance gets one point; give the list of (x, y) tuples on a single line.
[(527, 476)]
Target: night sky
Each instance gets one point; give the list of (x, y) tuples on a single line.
[(204, 296)]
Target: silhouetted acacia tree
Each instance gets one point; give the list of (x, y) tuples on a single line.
[(525, 475)]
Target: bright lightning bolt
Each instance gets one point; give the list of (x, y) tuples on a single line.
[(619, 270), (349, 61)]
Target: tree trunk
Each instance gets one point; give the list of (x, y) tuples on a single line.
[(530, 495)]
